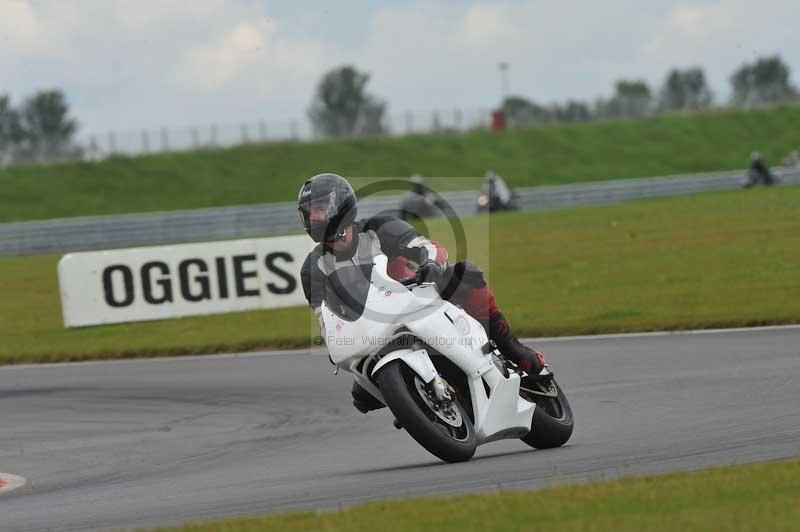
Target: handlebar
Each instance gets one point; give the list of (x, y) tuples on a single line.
[(411, 281)]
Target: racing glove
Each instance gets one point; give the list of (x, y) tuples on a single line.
[(430, 271)]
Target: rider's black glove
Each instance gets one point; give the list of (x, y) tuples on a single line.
[(430, 271)]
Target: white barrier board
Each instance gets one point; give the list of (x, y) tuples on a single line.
[(155, 283)]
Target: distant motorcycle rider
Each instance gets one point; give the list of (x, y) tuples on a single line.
[(759, 173), (494, 194), (327, 206), (419, 202)]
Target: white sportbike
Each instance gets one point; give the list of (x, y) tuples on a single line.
[(433, 365)]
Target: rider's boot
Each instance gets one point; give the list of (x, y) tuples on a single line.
[(363, 400), (529, 360), (480, 303)]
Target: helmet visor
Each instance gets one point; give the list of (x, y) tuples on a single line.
[(320, 208), (318, 214)]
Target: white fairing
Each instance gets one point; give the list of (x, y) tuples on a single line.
[(418, 360), (444, 328)]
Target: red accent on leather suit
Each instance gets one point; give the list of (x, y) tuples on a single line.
[(480, 303)]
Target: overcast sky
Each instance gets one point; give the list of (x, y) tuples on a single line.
[(131, 64)]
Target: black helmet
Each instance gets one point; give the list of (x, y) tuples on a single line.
[(331, 194), (418, 185)]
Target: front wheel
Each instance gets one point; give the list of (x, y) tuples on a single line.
[(552, 418), (445, 430)]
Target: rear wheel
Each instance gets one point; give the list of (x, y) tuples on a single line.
[(443, 428), (552, 423)]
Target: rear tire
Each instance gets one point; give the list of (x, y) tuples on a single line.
[(451, 444), (552, 423)]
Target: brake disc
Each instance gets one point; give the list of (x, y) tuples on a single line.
[(447, 411)]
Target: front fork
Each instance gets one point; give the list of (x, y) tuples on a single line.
[(418, 361)]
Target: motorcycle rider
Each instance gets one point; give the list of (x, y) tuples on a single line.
[(759, 173), (419, 202), (327, 206), (498, 195), (498, 187)]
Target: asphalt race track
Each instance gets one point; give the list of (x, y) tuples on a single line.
[(153, 442)]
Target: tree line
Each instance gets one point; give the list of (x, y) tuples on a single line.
[(39, 130), (342, 107)]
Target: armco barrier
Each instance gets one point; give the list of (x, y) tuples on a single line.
[(107, 232)]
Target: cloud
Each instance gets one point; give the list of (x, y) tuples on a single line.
[(252, 58), (211, 67), (128, 64), (688, 27), (485, 26), (427, 55), (448, 54), (721, 35), (19, 27)]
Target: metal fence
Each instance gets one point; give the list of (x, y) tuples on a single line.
[(223, 135), (101, 145), (107, 232), (211, 136)]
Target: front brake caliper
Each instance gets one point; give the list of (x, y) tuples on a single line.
[(441, 390)]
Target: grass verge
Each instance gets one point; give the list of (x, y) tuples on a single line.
[(762, 496), (554, 154), (711, 260)]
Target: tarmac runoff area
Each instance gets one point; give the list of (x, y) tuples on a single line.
[(141, 443)]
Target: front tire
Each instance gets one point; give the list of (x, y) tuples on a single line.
[(400, 390), (552, 423)]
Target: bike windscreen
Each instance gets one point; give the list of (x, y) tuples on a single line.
[(346, 290)]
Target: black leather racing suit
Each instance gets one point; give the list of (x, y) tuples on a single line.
[(402, 245)]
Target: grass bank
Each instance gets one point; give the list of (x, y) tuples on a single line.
[(554, 154), (711, 260), (751, 497)]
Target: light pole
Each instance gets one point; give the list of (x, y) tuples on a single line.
[(503, 66)]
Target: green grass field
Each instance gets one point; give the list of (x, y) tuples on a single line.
[(711, 260), (553, 154), (751, 497)]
